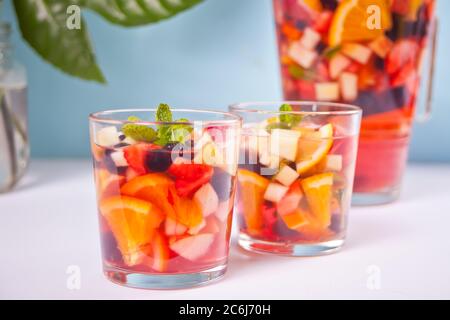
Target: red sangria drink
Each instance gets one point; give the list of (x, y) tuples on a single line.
[(367, 53), (165, 186), (295, 176)]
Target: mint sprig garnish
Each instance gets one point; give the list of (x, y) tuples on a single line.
[(139, 132), (289, 118), (170, 132)]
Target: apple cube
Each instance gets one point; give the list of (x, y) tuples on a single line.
[(349, 86), (327, 91), (201, 140), (357, 52), (287, 176), (193, 247), (310, 39), (284, 143), (197, 228), (289, 203), (224, 210), (338, 64), (173, 228), (207, 198), (275, 192), (333, 162), (119, 159), (304, 57), (108, 136), (381, 46)]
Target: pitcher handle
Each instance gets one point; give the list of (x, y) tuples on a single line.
[(425, 116)]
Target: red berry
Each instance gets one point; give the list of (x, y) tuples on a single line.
[(136, 156), (190, 177)]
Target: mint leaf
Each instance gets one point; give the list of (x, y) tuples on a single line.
[(163, 113), (139, 132), (299, 73), (289, 119), (180, 131), (331, 52)]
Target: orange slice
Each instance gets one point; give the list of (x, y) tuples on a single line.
[(352, 20), (313, 146), (317, 190), (153, 187), (252, 187), (185, 211), (133, 222)]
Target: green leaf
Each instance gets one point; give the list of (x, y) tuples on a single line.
[(331, 52), (287, 117), (299, 73), (130, 13), (163, 113), (139, 132), (43, 26)]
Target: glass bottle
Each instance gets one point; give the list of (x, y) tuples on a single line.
[(14, 143)]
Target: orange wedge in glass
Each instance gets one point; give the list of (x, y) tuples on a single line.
[(133, 223), (317, 190), (356, 20), (313, 146), (252, 187), (153, 187)]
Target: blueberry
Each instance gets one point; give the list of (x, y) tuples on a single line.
[(336, 223), (379, 63), (110, 251), (122, 137), (300, 24), (282, 231), (121, 145), (329, 4), (222, 183), (158, 160), (321, 47)]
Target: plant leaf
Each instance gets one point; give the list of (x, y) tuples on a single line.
[(130, 13), (43, 26)]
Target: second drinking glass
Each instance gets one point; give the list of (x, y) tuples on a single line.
[(295, 176)]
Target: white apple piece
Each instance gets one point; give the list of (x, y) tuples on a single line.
[(193, 247), (275, 192), (108, 136), (357, 52), (173, 228), (301, 55), (224, 210), (310, 39), (381, 46), (289, 203), (119, 159), (349, 86), (207, 198), (197, 228), (333, 162), (327, 91), (201, 141), (338, 64), (284, 143), (287, 176)]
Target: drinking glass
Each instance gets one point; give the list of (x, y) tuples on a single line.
[(370, 53), (295, 176), (165, 208)]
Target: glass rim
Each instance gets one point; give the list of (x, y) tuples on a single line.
[(346, 109), (97, 116)]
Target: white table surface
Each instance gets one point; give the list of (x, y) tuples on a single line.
[(395, 251)]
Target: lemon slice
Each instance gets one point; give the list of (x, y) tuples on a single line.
[(313, 146), (352, 21)]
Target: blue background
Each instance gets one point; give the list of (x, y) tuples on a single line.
[(220, 52)]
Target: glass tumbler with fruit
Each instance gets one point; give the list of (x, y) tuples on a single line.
[(369, 53), (295, 177), (165, 187)]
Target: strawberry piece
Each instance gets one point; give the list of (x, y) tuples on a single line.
[(323, 22), (403, 53), (190, 177), (407, 76), (135, 156), (306, 90), (291, 201), (160, 250)]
